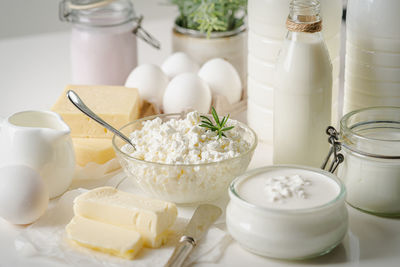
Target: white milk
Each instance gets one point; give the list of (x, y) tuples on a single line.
[(371, 170), (372, 185), (295, 228), (265, 38), (302, 101), (372, 54)]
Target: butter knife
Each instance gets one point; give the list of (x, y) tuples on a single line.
[(203, 217)]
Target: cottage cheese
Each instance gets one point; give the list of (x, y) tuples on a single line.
[(178, 144), (185, 142), (280, 188)]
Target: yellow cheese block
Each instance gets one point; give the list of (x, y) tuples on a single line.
[(104, 237), (117, 105), (150, 217), (97, 150)]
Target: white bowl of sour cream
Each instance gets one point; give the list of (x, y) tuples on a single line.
[(287, 212)]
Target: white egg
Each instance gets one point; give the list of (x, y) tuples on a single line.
[(187, 91), (150, 81), (178, 63), (222, 78), (23, 194)]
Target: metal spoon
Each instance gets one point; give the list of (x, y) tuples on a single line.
[(77, 101)]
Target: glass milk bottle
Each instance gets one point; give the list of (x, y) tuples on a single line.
[(266, 32), (103, 40), (303, 93), (372, 70)]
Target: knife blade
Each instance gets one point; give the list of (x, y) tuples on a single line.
[(204, 216)]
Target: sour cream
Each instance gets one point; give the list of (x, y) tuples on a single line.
[(308, 219)]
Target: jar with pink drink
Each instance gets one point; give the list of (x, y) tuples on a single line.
[(103, 39)]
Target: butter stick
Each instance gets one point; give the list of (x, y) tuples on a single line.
[(106, 238), (150, 217)]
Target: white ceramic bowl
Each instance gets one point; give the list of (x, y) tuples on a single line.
[(287, 233)]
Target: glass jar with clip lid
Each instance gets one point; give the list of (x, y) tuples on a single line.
[(103, 39), (370, 142)]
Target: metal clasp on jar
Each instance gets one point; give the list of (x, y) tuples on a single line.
[(335, 148), (140, 32)]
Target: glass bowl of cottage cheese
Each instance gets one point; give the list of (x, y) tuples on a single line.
[(176, 159)]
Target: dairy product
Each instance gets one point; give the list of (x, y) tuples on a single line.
[(261, 71), (150, 217), (310, 220), (261, 95), (98, 150), (261, 119), (372, 54), (372, 185), (281, 188), (179, 161), (104, 56), (266, 34), (184, 141), (103, 42), (115, 104), (370, 141), (302, 101), (288, 189), (104, 237)]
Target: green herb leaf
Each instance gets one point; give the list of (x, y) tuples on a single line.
[(215, 115), (227, 128), (219, 124)]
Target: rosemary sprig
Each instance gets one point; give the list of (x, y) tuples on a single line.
[(219, 124)]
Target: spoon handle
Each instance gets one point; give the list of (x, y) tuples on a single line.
[(77, 101)]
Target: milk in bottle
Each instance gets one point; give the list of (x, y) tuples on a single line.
[(266, 32), (303, 93)]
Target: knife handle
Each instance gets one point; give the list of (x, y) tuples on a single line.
[(182, 250)]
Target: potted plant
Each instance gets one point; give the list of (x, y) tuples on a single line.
[(207, 29)]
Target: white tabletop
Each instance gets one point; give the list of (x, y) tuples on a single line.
[(34, 71)]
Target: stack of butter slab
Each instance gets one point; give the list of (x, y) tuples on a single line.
[(117, 105), (120, 223)]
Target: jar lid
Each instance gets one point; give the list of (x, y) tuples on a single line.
[(372, 132), (97, 13)]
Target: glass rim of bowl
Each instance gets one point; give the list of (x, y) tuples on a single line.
[(118, 150), (349, 134), (235, 196)]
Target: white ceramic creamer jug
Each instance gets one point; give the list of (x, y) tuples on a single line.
[(41, 140)]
